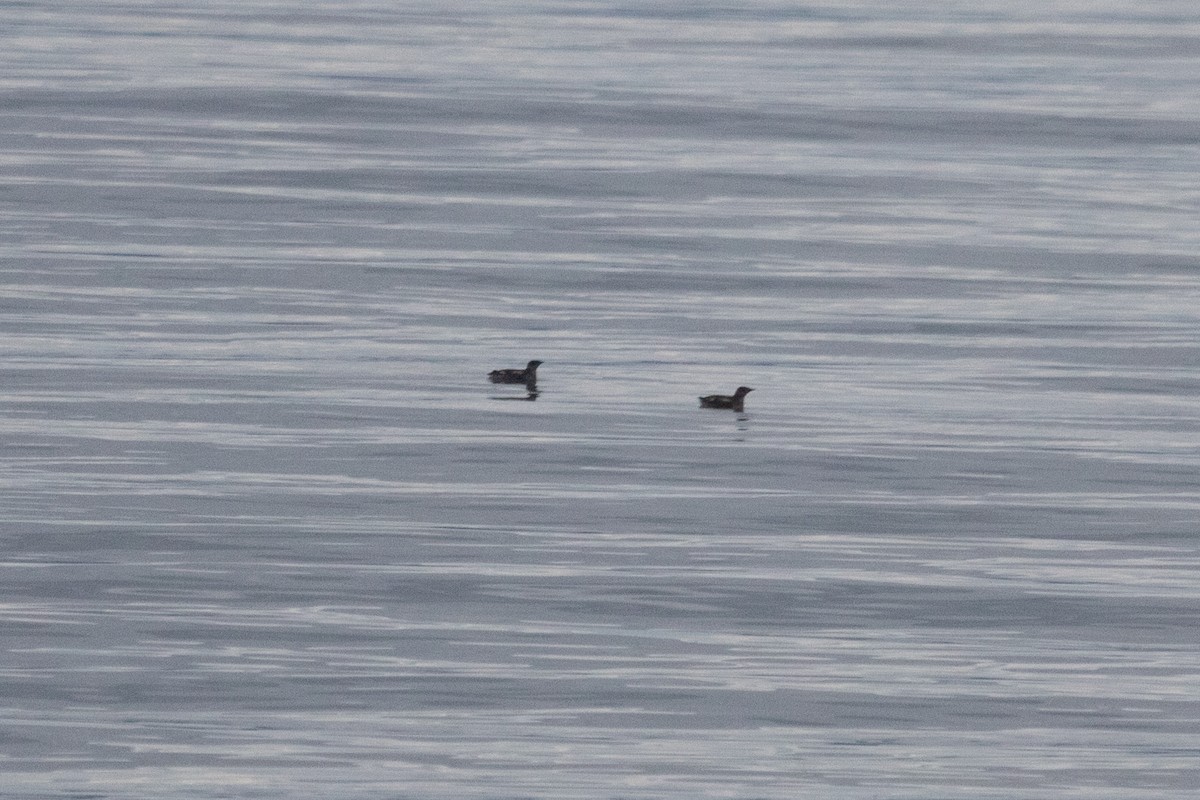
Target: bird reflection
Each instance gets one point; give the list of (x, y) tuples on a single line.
[(743, 427), (531, 394)]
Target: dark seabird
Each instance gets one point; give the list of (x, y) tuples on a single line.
[(734, 401), (526, 376)]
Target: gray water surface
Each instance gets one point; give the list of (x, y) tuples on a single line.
[(268, 532)]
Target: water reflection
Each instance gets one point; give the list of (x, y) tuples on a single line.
[(258, 529), (531, 394), (743, 427)]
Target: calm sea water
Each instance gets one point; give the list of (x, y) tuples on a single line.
[(268, 532)]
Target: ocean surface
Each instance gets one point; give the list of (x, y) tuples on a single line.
[(266, 530)]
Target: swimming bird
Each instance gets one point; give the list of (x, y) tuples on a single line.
[(734, 401), (526, 376)]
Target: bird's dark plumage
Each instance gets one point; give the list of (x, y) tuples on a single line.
[(526, 376), (734, 401)]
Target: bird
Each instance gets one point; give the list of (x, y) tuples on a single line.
[(734, 401), (527, 376)]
